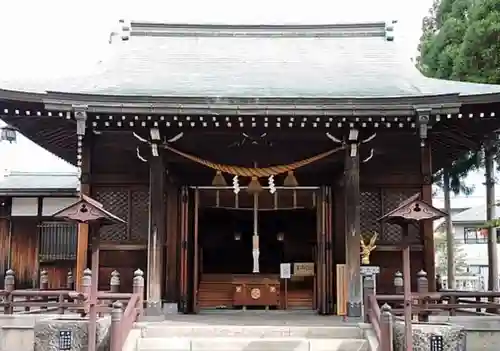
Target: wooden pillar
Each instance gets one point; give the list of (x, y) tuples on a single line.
[(352, 229), (427, 231), (156, 237), (172, 243), (84, 155), (489, 167)]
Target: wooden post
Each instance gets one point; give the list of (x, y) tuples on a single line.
[(427, 230), (352, 230), (44, 285), (398, 282), (44, 280), (94, 288), (138, 288), (156, 238), (114, 282), (368, 290), (407, 290), (70, 281), (423, 287), (85, 144), (9, 286), (386, 328), (115, 339), (489, 174), (85, 285)]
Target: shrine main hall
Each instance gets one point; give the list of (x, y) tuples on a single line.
[(250, 162)]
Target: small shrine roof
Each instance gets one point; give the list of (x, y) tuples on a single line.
[(88, 210), (413, 209), (279, 61)]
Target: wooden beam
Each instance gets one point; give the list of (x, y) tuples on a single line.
[(352, 232), (156, 237), (427, 229), (83, 229)]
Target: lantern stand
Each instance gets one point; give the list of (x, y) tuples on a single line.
[(412, 211), (91, 212)]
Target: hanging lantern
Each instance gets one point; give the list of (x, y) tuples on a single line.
[(237, 236), (8, 134), (254, 186), (219, 180), (280, 236), (290, 180)]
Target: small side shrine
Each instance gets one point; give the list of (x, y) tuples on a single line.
[(410, 212), (91, 212)]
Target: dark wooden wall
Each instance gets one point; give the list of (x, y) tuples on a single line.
[(24, 255), (23, 250), (123, 246), (383, 187)]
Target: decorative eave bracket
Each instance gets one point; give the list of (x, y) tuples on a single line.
[(80, 112), (423, 119)]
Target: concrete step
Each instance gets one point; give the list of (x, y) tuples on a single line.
[(164, 330), (250, 344)]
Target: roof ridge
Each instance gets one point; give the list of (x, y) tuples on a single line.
[(361, 29)]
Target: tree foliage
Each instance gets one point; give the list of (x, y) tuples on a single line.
[(461, 41), (458, 171)]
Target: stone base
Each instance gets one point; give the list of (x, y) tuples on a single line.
[(454, 336), (170, 308), (48, 333), (153, 311), (354, 309)]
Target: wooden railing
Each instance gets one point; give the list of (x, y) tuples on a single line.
[(122, 322), (125, 308), (422, 305)]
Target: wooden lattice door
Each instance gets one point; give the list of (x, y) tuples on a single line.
[(324, 254)]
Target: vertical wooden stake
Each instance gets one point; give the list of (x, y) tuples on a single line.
[(407, 290), (352, 232), (94, 288), (427, 229), (156, 236)]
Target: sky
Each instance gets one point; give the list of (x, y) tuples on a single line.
[(52, 38)]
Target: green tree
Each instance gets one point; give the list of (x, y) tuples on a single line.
[(461, 41), (478, 59)]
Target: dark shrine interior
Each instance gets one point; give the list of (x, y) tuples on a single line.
[(225, 238)]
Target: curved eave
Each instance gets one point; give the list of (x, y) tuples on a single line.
[(60, 101)]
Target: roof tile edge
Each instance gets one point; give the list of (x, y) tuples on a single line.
[(364, 29)]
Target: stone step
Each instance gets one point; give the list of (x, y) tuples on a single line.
[(164, 330), (250, 344)]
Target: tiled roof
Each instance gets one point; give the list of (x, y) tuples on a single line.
[(26, 182), (342, 60)]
